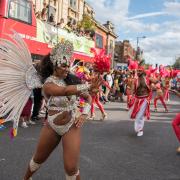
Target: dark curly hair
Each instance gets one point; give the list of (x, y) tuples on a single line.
[(46, 69)]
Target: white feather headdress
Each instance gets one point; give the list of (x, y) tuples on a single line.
[(62, 53), (17, 78)]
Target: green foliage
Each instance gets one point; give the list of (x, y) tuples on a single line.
[(86, 23), (177, 63)]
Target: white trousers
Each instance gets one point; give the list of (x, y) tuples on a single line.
[(139, 121)]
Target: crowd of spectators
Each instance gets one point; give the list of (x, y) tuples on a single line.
[(70, 26)]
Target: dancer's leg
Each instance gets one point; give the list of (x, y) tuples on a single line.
[(163, 103), (155, 103), (99, 104), (47, 143), (139, 121), (92, 105), (176, 126), (71, 152)]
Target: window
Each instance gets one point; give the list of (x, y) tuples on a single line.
[(99, 41), (73, 4), (55, 2), (111, 44), (51, 14), (20, 10)]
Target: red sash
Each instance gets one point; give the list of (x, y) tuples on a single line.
[(136, 105)]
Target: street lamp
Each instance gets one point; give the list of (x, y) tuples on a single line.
[(142, 37), (138, 51)]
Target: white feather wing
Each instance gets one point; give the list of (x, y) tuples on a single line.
[(17, 77)]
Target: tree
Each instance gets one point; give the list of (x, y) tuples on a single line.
[(177, 63), (86, 23)]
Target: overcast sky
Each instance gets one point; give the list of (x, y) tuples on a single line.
[(158, 20)]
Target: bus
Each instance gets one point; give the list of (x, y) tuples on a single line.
[(40, 36)]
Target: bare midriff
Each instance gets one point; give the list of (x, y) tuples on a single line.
[(159, 92), (63, 117), (142, 89)]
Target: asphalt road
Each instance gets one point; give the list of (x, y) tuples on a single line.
[(110, 150)]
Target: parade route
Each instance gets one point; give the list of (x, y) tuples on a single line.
[(110, 149)]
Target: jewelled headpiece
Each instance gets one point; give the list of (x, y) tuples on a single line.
[(62, 53)]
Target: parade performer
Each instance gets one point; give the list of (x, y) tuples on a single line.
[(167, 86), (176, 125), (140, 105), (130, 87), (101, 65), (95, 99), (18, 78), (60, 89), (165, 79), (153, 75), (159, 96)]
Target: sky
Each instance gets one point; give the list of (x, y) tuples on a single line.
[(157, 20)]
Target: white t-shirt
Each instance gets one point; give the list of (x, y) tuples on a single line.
[(109, 79)]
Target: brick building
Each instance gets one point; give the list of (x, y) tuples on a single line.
[(123, 50)]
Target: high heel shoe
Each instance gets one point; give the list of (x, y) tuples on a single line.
[(104, 116), (92, 117)]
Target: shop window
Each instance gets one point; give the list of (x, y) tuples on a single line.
[(20, 10)]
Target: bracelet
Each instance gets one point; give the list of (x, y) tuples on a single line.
[(86, 109), (83, 87)]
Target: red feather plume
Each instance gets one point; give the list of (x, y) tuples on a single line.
[(102, 62)]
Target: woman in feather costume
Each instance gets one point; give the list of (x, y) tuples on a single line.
[(18, 77)]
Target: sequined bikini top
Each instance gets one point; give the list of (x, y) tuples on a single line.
[(60, 103)]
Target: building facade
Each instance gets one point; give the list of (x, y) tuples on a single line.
[(88, 10), (73, 10), (66, 9), (111, 38), (123, 51), (105, 38)]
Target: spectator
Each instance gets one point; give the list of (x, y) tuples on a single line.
[(44, 12), (121, 87), (51, 19), (61, 23), (38, 15), (74, 26), (26, 113), (34, 7), (68, 26), (81, 31), (109, 80), (37, 104), (37, 99), (87, 34)]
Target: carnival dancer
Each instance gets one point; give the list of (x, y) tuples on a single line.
[(60, 89), (176, 124), (101, 65), (95, 99), (166, 88), (130, 87), (140, 105), (159, 96)]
